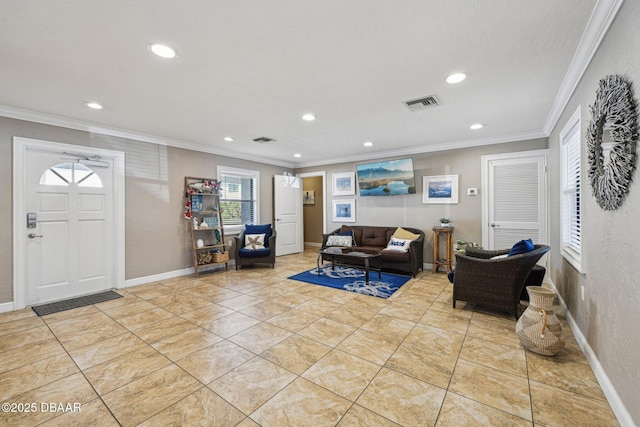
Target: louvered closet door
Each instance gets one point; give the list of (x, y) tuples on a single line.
[(517, 201)]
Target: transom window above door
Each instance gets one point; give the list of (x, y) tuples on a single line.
[(64, 174)]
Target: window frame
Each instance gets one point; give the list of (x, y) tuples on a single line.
[(253, 174), (571, 194)]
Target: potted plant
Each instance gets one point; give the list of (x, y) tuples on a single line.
[(445, 222)]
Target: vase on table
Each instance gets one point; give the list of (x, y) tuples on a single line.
[(538, 328)]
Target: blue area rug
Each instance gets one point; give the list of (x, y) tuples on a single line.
[(350, 279)]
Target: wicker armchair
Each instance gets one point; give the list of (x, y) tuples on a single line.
[(495, 282)]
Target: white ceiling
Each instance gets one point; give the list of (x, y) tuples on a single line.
[(252, 68)]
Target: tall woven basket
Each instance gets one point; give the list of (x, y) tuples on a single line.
[(538, 328)]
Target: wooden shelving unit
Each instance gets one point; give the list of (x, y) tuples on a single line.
[(202, 210)]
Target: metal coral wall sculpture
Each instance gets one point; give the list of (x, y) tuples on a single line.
[(615, 110)]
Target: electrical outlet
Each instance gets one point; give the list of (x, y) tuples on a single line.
[(582, 292), (230, 243)]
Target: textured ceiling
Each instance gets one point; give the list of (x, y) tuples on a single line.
[(252, 68)]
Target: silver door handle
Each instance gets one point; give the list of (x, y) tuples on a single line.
[(33, 235)]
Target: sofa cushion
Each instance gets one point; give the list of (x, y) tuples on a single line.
[(374, 236), (394, 256), (370, 249), (357, 233), (399, 245), (340, 240), (401, 233), (350, 234)]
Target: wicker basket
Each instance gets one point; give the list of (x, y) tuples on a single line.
[(220, 257)]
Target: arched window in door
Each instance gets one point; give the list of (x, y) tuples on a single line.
[(67, 173)]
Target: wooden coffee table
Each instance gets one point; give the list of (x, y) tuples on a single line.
[(358, 260)]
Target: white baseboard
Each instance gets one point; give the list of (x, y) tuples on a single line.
[(620, 411), (156, 277), (6, 307)]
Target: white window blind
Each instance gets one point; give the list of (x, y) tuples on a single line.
[(571, 193), (239, 200)]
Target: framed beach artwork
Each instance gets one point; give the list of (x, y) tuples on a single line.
[(442, 189), (344, 184), (344, 210)]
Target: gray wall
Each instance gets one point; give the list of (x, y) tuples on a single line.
[(608, 317), (408, 210), (156, 236)]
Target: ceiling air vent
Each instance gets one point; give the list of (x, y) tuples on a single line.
[(263, 140), (422, 103)]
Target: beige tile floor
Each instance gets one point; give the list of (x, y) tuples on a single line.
[(254, 348)]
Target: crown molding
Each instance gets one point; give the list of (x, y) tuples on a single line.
[(601, 19), (452, 145), (48, 119)]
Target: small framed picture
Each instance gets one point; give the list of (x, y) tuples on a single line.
[(344, 210), (344, 184), (442, 189), (309, 197)]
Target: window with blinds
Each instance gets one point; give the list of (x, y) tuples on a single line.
[(239, 200), (571, 192)]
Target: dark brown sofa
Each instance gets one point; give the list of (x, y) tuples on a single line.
[(373, 239)]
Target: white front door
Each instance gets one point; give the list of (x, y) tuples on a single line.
[(65, 226), (287, 193), (515, 199)]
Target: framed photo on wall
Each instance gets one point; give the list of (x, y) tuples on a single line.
[(344, 184), (442, 189), (309, 197), (344, 210)]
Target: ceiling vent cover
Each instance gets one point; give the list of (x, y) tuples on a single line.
[(422, 103), (263, 140)]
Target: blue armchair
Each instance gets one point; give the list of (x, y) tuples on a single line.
[(255, 249)]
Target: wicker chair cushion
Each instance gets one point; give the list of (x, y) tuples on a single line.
[(253, 253), (259, 229)]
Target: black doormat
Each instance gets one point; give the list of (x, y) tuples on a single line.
[(54, 307)]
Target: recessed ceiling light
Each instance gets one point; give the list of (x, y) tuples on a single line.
[(93, 105), (163, 51), (309, 117), (476, 126), (456, 77), (297, 155), (228, 138), (368, 144)]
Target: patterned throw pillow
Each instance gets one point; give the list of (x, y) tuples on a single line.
[(254, 241), (400, 245), (339, 241)]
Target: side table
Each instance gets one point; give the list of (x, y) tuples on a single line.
[(437, 260)]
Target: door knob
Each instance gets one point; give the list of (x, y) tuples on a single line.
[(33, 235)]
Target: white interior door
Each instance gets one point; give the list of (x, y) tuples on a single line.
[(287, 193), (65, 226), (515, 199)]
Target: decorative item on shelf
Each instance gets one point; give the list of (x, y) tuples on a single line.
[(187, 209), (196, 203), (218, 237), (195, 223), (204, 258), (199, 243), (212, 222), (209, 186), (203, 225), (538, 328), (445, 222), (614, 114), (462, 245), (220, 256)]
